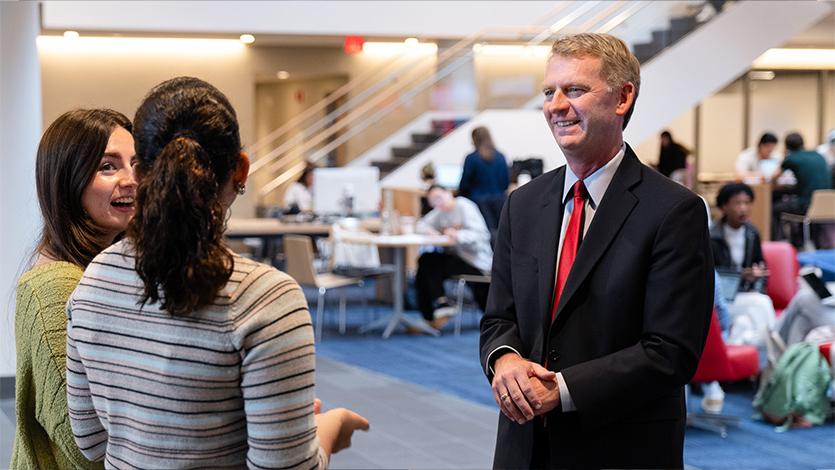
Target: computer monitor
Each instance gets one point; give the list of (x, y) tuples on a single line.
[(448, 175), (331, 186)]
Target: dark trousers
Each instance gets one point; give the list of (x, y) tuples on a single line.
[(790, 205), (433, 269)]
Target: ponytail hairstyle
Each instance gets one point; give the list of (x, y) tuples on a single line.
[(187, 148), (68, 157)]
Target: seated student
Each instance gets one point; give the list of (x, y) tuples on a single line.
[(761, 162), (735, 243), (298, 197), (181, 353), (805, 312), (85, 186), (812, 174), (827, 149), (460, 219), (427, 179)]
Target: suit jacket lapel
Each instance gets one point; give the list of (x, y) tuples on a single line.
[(549, 223), (611, 213)]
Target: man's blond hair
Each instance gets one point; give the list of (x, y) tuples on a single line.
[(618, 64)]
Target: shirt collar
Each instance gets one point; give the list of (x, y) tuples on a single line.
[(597, 182)]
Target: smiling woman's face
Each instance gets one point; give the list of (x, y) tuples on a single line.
[(108, 198)]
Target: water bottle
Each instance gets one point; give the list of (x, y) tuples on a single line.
[(348, 200), (386, 214)]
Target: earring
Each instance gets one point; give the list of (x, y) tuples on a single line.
[(240, 188)]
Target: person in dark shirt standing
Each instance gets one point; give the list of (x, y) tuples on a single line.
[(673, 155), (485, 177)]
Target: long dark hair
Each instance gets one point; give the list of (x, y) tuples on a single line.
[(69, 154), (187, 147), (482, 139)]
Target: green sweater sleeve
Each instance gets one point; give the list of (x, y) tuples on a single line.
[(47, 346)]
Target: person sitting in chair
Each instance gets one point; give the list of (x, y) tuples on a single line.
[(299, 196), (459, 219), (735, 242), (736, 247)]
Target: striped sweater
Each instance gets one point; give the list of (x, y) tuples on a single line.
[(230, 385)]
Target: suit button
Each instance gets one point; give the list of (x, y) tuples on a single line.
[(554, 356)]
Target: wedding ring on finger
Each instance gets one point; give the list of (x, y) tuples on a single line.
[(503, 397)]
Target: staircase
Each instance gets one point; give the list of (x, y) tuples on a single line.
[(693, 66), (420, 141), (376, 94), (661, 39), (683, 61), (678, 28)]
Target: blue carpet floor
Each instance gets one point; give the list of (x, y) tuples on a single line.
[(450, 364)]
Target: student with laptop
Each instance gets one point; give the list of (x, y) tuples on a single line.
[(735, 241), (742, 276)]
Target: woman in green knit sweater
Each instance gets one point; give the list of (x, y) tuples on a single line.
[(86, 187)]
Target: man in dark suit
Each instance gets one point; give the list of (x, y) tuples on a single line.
[(602, 285)]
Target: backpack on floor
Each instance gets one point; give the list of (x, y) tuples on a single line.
[(796, 390)]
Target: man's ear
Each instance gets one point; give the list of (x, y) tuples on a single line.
[(626, 97)]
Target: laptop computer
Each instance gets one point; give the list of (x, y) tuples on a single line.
[(729, 282), (817, 285)]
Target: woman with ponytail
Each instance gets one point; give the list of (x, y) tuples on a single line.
[(180, 352)]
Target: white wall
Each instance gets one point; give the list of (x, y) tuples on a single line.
[(721, 130), (785, 104), (438, 19), (20, 130), (118, 73), (518, 134)]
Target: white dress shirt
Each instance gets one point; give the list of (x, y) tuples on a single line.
[(299, 195), (735, 238), (596, 185)]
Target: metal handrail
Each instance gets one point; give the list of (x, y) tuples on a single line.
[(374, 118), (330, 117), (616, 11), (318, 106), (589, 24), (634, 8), (379, 98), (349, 87)]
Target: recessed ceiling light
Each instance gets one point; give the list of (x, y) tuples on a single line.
[(411, 41), (71, 34), (247, 38), (283, 75)]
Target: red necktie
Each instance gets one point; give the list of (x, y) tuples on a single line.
[(570, 243)]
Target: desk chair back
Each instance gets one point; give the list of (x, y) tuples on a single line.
[(822, 207), (298, 251)]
